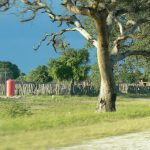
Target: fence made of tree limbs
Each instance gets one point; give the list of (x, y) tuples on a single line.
[(64, 89), (134, 88), (50, 89)]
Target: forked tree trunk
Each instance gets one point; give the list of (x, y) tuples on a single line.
[(107, 96)]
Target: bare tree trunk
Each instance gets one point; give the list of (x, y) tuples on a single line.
[(72, 87), (107, 96)]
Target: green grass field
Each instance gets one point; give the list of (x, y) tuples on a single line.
[(43, 122)]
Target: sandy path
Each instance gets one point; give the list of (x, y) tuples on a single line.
[(134, 141)]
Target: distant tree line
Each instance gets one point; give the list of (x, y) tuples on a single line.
[(8, 70), (73, 66), (131, 70)]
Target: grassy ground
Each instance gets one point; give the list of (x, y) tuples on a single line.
[(43, 122)]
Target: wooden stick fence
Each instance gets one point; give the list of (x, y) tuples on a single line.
[(49, 89), (64, 89), (134, 88)]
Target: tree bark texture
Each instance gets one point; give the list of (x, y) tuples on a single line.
[(107, 96)]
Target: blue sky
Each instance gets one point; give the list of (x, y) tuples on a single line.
[(17, 41)]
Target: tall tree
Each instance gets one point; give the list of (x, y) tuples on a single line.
[(132, 70), (129, 71), (72, 66), (8, 71), (95, 76), (39, 75), (127, 15)]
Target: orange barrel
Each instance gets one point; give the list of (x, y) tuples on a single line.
[(10, 88)]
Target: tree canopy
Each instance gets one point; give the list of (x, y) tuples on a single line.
[(39, 75), (8, 70), (71, 65)]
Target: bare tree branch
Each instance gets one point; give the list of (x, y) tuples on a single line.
[(92, 8), (54, 37), (118, 42), (42, 40), (110, 21), (127, 30), (121, 25), (132, 9), (123, 55), (34, 7), (77, 9), (135, 25), (69, 20), (30, 18)]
